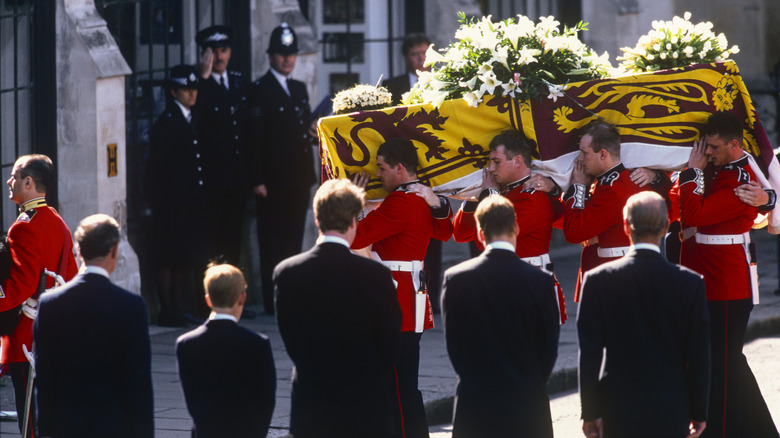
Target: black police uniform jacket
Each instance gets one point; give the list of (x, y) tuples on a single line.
[(280, 142), (174, 187), (221, 116)]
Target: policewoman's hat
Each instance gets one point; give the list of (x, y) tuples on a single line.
[(214, 36), (183, 76), (283, 40)]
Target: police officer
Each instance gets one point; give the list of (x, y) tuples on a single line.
[(282, 161), (175, 187), (221, 110)]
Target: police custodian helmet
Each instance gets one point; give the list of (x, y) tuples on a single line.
[(214, 36), (283, 41), (183, 76)]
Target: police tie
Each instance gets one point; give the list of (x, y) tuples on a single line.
[(223, 83)]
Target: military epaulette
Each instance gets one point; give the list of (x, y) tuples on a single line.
[(26, 216), (610, 176)]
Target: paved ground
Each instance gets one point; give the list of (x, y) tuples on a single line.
[(437, 379)]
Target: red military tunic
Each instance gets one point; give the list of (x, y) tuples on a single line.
[(535, 216), (38, 239), (719, 211), (400, 229), (600, 215)]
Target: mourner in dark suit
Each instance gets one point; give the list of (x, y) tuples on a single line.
[(643, 327), (227, 372), (501, 326), (413, 48), (38, 239), (221, 112), (282, 160), (93, 360), (340, 321), (175, 187)]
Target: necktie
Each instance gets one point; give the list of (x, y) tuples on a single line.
[(223, 83)]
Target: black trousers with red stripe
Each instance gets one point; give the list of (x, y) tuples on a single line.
[(409, 408), (737, 408)]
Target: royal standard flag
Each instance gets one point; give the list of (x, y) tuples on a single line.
[(658, 115)]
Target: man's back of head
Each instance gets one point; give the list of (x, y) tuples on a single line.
[(224, 284), (337, 204), (40, 169), (646, 218), (96, 237), (724, 124), (496, 219), (400, 151)]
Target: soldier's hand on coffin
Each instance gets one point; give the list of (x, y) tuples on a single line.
[(261, 190), (539, 183), (360, 179), (313, 129), (426, 193), (488, 179), (698, 158), (752, 194), (578, 175), (206, 61), (643, 176)]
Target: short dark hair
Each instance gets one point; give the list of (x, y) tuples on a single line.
[(336, 204), (224, 284), (495, 216), (412, 40), (647, 215), (96, 235), (38, 167), (399, 150), (724, 124), (604, 136), (514, 144)]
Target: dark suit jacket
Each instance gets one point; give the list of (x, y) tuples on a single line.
[(221, 116), (93, 361), (279, 135), (229, 380), (651, 317), (340, 321), (501, 324), (176, 166), (397, 86)]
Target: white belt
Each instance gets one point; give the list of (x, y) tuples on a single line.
[(687, 233), (538, 261), (420, 299), (617, 251), (393, 265), (720, 239)]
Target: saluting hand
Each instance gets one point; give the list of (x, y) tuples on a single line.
[(206, 61)]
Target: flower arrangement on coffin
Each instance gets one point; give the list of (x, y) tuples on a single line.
[(361, 98), (676, 43), (517, 58)]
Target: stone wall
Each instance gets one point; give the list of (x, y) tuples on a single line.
[(90, 121)]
